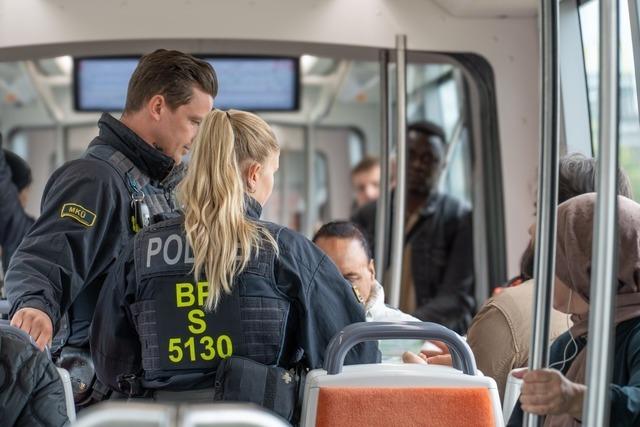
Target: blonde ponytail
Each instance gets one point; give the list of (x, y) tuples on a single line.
[(212, 193)]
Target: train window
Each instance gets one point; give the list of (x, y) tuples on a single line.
[(629, 120)]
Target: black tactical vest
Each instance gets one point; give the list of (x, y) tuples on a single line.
[(159, 197), (182, 342)]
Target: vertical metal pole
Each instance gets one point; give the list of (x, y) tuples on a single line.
[(397, 238), (382, 217), (61, 145), (310, 184), (634, 21), (601, 300), (545, 256)]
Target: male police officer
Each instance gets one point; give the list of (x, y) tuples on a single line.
[(93, 205)]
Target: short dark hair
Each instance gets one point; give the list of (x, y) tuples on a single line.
[(430, 130), (577, 175), (173, 75), (20, 170), (365, 165), (343, 230)]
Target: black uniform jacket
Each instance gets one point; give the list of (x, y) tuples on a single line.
[(14, 221), (283, 309), (442, 268), (85, 222), (31, 392)]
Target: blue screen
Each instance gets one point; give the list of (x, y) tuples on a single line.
[(244, 83)]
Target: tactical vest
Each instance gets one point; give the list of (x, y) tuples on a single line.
[(182, 343), (150, 202)]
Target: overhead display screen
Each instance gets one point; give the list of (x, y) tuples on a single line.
[(244, 83)]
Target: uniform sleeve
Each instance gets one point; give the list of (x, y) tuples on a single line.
[(73, 242), (625, 400), (454, 299), (491, 339), (325, 302), (113, 329), (14, 221)]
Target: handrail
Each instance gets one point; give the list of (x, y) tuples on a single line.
[(397, 229), (605, 226), (383, 208), (356, 333), (545, 248)]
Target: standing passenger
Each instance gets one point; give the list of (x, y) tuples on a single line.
[(93, 205), (15, 182), (438, 273), (365, 180), (217, 282)]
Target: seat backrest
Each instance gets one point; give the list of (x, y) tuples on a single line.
[(68, 393), (127, 414), (381, 395), (228, 415), (511, 394)]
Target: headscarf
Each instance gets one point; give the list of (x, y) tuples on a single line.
[(573, 267)]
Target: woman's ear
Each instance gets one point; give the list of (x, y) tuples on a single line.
[(253, 176)]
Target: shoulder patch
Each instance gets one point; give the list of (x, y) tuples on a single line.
[(74, 211)]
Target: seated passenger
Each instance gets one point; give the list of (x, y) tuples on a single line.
[(365, 180), (31, 391), (192, 291), (559, 393), (438, 272), (347, 247)]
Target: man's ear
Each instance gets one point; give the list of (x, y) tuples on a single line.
[(155, 105), (372, 269), (253, 176)]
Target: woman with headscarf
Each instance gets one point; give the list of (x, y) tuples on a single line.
[(559, 393)]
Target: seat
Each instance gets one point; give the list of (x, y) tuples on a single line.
[(124, 414), (228, 415), (148, 414), (511, 394), (399, 394)]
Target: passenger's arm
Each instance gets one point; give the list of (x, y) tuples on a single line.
[(625, 400), (492, 341), (113, 328), (454, 298), (325, 302), (72, 243)]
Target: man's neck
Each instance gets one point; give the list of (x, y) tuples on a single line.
[(134, 122)]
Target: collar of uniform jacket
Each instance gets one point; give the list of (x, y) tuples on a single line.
[(151, 161), (252, 207)]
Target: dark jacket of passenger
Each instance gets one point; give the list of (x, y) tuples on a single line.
[(14, 221), (441, 259), (625, 386), (283, 310), (84, 224), (31, 392)]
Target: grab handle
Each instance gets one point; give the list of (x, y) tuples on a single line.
[(339, 346)]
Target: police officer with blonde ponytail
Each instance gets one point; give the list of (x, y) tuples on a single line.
[(218, 296)]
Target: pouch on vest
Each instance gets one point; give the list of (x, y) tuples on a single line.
[(244, 380)]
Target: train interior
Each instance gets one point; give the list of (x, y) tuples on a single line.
[(471, 68)]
